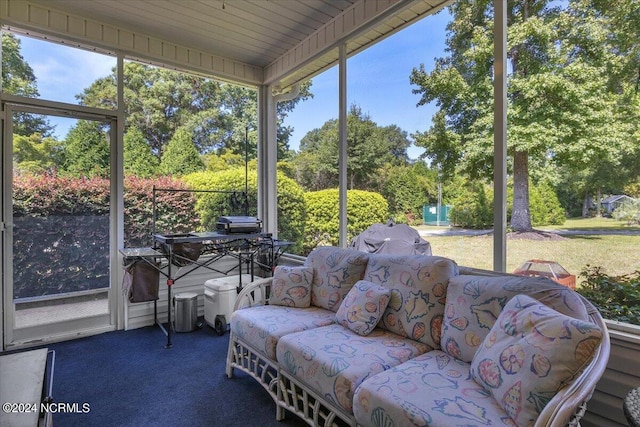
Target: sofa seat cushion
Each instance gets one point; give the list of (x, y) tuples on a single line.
[(433, 389), (475, 302), (334, 360), (263, 326), (336, 270), (418, 285)]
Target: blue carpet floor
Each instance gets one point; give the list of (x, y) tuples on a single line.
[(130, 379)]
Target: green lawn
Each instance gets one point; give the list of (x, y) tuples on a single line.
[(592, 224), (615, 253)]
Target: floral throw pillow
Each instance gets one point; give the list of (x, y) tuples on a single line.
[(363, 306), (530, 353), (291, 286)]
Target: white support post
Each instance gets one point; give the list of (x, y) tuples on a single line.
[(500, 136), (267, 160), (117, 188), (342, 138)]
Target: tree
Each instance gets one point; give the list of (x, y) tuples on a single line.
[(407, 188), (86, 150), (369, 147), (560, 103), (138, 160), (18, 79), (242, 105), (35, 154), (181, 156), (159, 101), (600, 58), (217, 163)]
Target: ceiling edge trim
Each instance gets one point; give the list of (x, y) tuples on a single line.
[(37, 20), (356, 19)]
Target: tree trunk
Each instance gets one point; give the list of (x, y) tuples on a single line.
[(585, 205), (598, 203), (520, 215)]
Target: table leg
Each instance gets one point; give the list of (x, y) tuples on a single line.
[(169, 284)]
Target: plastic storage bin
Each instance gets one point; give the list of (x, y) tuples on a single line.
[(220, 296), (186, 307)]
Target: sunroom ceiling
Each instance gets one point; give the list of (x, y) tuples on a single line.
[(276, 42)]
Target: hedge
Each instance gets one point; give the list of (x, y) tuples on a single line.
[(175, 210), (364, 208), (209, 206), (61, 229)]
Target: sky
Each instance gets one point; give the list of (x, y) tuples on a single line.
[(378, 80)]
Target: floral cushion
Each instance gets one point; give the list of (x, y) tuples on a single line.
[(530, 353), (475, 302), (336, 270), (433, 389), (363, 306), (333, 360), (418, 285), (291, 286), (263, 326)]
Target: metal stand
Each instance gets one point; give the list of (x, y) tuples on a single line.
[(245, 247)]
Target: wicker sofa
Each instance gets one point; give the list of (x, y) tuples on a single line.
[(351, 338)]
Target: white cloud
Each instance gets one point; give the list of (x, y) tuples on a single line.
[(61, 71)]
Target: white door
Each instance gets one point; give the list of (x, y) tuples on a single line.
[(58, 226)]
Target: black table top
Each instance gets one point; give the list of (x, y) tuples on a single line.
[(205, 236)]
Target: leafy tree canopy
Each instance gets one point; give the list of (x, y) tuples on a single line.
[(86, 151), (159, 101), (18, 79), (138, 159), (563, 104), (181, 156), (369, 147)]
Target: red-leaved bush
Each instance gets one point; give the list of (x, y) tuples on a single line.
[(61, 228)]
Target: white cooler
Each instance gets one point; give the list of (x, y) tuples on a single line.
[(219, 298)]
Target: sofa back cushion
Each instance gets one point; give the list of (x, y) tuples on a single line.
[(475, 302), (336, 270), (418, 285)]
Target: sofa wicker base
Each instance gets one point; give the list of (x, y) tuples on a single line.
[(300, 400), (243, 357)]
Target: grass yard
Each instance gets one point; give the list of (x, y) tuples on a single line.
[(617, 254), (592, 224)]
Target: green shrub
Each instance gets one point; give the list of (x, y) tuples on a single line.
[(617, 298), (628, 212), (471, 207), (544, 206), (406, 190), (209, 206), (322, 223)]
